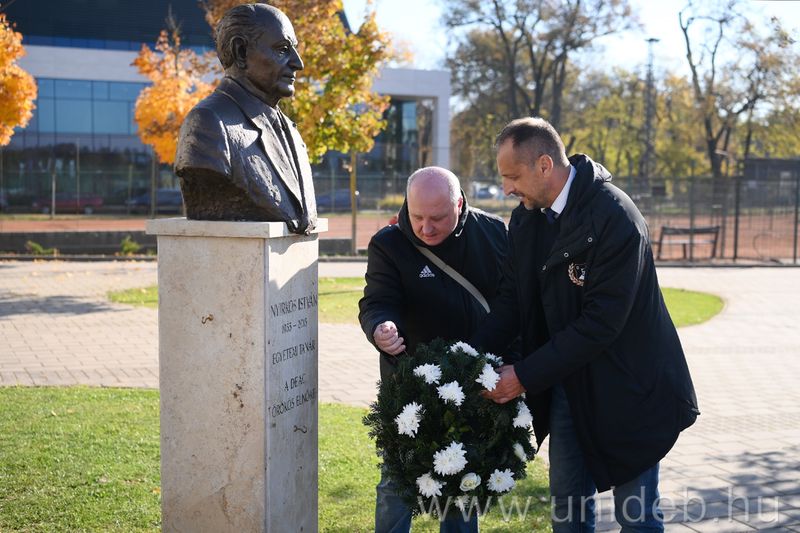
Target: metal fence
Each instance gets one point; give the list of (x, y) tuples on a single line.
[(693, 218), (753, 219), (732, 218)]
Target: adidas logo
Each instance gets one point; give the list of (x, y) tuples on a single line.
[(426, 273)]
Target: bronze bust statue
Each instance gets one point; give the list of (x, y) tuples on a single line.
[(239, 157)]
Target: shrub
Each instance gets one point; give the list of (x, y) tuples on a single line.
[(129, 246), (34, 248), (391, 202)]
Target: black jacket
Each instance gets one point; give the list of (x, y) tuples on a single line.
[(423, 306), (591, 316)]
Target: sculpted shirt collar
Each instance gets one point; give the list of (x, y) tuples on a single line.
[(561, 200)]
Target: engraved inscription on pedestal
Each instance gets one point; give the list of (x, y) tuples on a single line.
[(291, 396)]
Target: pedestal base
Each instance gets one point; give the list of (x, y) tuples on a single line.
[(238, 376)]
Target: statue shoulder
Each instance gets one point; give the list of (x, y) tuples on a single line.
[(203, 141)]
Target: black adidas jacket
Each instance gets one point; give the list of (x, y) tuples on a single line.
[(405, 287)]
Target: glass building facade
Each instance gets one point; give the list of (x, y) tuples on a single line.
[(83, 138)]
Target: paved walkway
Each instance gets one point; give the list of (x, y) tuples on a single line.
[(737, 469)]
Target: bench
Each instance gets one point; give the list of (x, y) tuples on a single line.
[(688, 236)]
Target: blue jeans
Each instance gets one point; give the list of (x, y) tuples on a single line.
[(392, 514), (572, 488)]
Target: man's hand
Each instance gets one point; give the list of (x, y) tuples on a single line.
[(507, 388), (387, 339)]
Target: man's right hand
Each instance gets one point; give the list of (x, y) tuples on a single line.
[(387, 339)]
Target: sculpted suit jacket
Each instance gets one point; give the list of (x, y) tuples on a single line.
[(233, 165)]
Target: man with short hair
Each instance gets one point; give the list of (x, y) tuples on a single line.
[(239, 157), (409, 300), (603, 368)]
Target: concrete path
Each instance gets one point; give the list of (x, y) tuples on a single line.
[(736, 469)]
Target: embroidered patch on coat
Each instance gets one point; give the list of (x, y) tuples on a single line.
[(577, 273)]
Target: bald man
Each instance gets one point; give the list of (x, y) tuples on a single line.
[(409, 300)]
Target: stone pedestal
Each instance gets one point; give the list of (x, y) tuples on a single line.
[(238, 376)]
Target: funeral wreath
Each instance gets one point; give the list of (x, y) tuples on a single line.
[(440, 439)]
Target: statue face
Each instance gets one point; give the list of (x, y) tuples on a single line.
[(272, 60)]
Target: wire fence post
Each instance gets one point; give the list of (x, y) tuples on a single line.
[(691, 216), (736, 215), (796, 212)]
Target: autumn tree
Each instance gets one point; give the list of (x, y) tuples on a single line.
[(515, 57), (735, 68), (333, 105), (607, 122), (17, 87), (535, 43), (178, 84)]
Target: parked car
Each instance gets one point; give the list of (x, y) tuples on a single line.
[(68, 202), (167, 200), (338, 200), (486, 192)]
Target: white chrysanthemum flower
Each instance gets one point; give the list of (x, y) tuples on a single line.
[(431, 373), (519, 451), (523, 418), (470, 481), (495, 359), (488, 377), (464, 347), (501, 481), (451, 392), (408, 419), (450, 460), (428, 486)]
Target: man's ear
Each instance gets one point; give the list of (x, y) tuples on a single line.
[(239, 51), (545, 164), (460, 203)]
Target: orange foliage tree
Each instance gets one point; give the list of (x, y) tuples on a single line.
[(17, 87), (177, 75), (333, 105)]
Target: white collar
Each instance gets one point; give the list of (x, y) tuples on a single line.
[(561, 200)]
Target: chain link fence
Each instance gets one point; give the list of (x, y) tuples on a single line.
[(732, 218), (691, 219)]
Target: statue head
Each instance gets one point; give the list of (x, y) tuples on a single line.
[(257, 47)]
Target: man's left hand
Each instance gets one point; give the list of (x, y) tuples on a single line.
[(507, 388)]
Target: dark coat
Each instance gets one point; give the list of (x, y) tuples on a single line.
[(608, 337), (425, 307), (229, 153)]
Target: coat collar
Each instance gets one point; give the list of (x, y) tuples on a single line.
[(258, 113), (576, 231), (589, 177)]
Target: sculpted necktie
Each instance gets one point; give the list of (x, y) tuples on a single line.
[(551, 215)]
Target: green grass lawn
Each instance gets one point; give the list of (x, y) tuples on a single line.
[(338, 301), (147, 296), (688, 308), (338, 298), (87, 459), (79, 459)]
